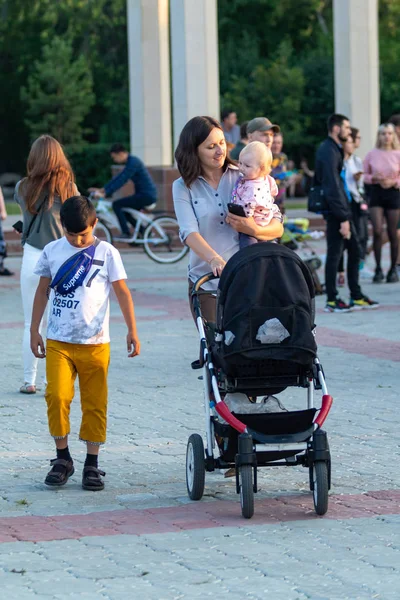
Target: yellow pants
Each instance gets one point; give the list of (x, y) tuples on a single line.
[(63, 363)]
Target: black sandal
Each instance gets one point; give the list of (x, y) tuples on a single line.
[(60, 472), (91, 479)]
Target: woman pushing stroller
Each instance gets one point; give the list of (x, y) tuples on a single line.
[(259, 350), (201, 196)]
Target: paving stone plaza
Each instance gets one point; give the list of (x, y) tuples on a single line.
[(142, 537)]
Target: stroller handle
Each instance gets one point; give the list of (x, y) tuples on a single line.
[(201, 281)]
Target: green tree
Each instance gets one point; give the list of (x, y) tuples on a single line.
[(59, 93), (274, 89), (97, 30), (389, 48), (276, 59)]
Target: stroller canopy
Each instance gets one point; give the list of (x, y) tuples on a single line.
[(265, 307)]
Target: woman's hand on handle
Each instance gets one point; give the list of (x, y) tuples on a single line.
[(198, 244), (217, 264)]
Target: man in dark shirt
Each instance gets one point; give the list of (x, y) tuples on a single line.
[(145, 190), (340, 230)]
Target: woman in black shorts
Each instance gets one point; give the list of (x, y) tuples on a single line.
[(382, 171)]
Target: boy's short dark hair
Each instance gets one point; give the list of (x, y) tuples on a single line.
[(116, 148), (335, 119), (243, 130), (77, 214), (225, 113)]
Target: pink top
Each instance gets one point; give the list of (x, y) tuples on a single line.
[(384, 163), (256, 198)]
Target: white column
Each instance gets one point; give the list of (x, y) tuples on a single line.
[(149, 81), (194, 53), (357, 66)]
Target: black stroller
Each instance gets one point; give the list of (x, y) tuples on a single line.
[(262, 343)]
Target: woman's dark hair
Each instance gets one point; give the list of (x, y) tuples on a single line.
[(192, 135), (243, 130), (77, 214), (354, 132)]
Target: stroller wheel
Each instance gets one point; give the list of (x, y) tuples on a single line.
[(195, 467), (319, 471), (246, 490)]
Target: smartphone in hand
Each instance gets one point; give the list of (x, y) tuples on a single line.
[(236, 209), (18, 226)]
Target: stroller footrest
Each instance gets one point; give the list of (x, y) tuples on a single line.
[(299, 447), (263, 438)]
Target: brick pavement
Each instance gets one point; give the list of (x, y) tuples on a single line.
[(141, 536)]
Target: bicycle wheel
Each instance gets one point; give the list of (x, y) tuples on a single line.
[(102, 232), (162, 242)]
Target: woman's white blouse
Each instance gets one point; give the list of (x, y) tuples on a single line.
[(202, 209)]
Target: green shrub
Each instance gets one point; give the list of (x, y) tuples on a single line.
[(91, 164), (58, 99)]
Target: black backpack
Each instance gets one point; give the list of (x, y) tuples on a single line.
[(316, 200)]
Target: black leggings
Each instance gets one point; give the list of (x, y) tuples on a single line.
[(378, 214)]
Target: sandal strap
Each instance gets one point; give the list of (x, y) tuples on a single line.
[(24, 388), (88, 469), (59, 461)]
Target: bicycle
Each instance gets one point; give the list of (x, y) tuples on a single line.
[(157, 232)]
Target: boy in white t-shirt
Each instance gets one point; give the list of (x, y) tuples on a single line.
[(80, 271)]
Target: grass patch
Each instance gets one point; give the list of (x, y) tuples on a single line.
[(295, 205), (23, 502), (13, 208)]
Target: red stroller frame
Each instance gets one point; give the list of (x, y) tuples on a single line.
[(307, 446)]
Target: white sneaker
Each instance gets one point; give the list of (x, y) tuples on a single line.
[(366, 273)]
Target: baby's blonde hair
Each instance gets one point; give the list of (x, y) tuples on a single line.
[(262, 153)]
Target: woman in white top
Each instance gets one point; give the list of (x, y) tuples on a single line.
[(49, 182), (201, 196), (355, 183)]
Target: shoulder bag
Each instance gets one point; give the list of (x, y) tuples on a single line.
[(31, 224), (316, 200)]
